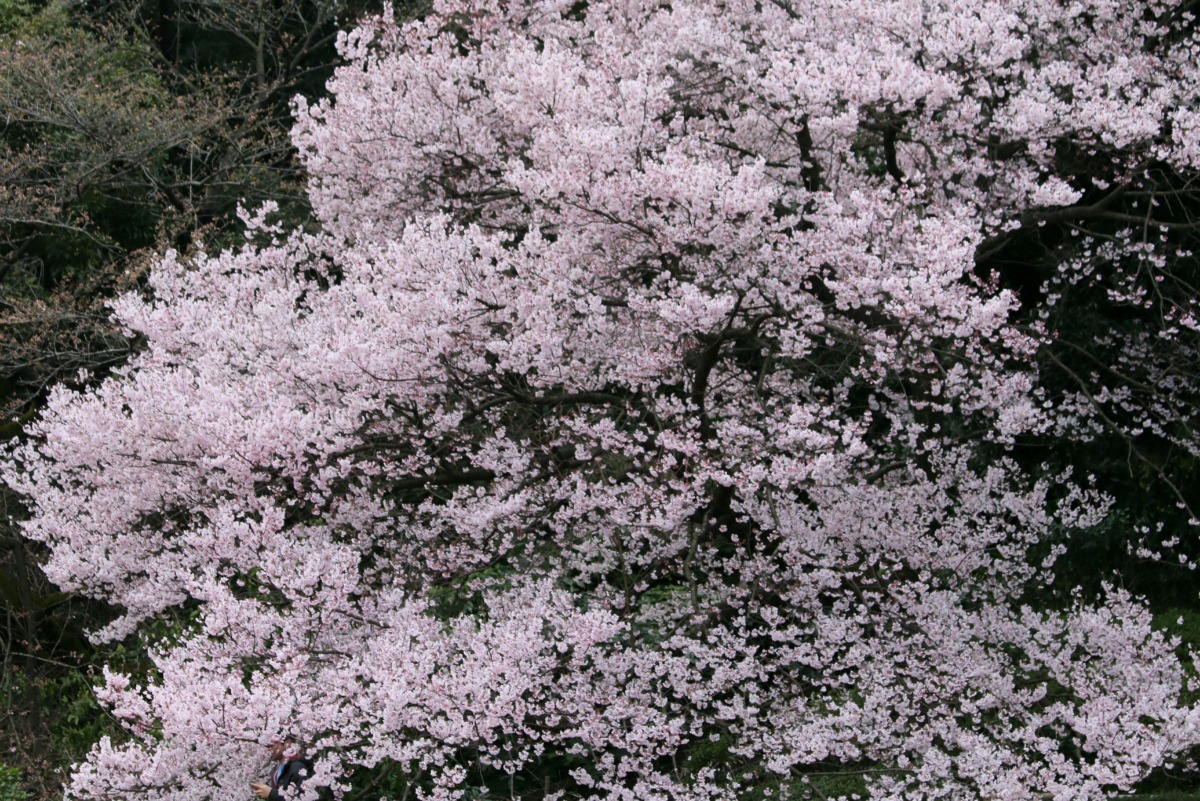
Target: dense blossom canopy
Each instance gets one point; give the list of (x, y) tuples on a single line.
[(637, 420)]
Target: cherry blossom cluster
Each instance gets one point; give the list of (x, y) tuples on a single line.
[(636, 420)]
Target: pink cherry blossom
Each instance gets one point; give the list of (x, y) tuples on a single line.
[(635, 396)]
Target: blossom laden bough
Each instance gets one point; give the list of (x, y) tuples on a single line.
[(637, 423)]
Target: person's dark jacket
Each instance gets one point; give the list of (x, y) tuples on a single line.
[(285, 782)]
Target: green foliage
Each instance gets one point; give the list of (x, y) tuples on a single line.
[(87, 122), (464, 596), (10, 784), (1181, 623), (59, 707), (78, 720), (838, 785), (12, 13)]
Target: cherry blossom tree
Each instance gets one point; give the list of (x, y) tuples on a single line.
[(639, 420)]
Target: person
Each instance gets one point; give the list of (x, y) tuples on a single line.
[(289, 772)]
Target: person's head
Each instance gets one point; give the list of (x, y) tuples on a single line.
[(282, 747)]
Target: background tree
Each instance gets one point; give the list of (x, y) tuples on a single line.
[(125, 125)]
